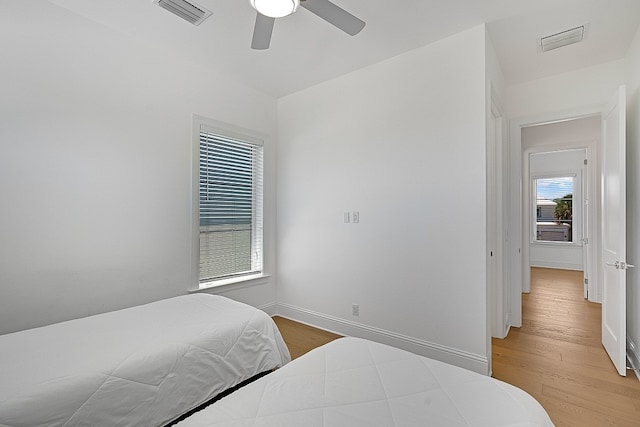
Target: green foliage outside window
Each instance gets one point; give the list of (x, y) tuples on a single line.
[(564, 211)]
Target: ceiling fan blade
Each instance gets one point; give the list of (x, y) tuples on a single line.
[(334, 15), (262, 32)]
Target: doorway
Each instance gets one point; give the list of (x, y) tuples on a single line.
[(559, 198), (606, 229), (571, 135)]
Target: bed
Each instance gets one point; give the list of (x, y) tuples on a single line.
[(352, 382), (141, 366)]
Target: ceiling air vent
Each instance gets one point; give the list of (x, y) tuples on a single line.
[(564, 38), (186, 10)]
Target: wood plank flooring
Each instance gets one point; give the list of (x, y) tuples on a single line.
[(558, 358), (302, 338)]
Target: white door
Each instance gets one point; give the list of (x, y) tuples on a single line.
[(614, 328)]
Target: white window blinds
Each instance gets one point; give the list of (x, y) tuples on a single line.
[(230, 206)]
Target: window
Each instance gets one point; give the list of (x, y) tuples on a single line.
[(554, 209), (229, 204)]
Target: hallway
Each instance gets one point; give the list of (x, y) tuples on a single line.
[(558, 358)]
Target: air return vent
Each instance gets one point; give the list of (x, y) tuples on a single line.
[(562, 39), (186, 10)]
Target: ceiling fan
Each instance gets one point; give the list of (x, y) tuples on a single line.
[(269, 10)]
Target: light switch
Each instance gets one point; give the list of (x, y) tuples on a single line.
[(347, 217)]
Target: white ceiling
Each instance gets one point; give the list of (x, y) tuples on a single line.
[(306, 50)]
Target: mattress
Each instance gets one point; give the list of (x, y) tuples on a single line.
[(141, 366), (352, 382)]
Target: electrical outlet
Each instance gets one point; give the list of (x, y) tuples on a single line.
[(356, 217), (355, 309)]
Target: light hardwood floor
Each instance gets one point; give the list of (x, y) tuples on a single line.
[(558, 358), (302, 338)]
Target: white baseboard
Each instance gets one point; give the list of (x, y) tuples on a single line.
[(270, 309), (633, 355), (473, 362), (503, 334)]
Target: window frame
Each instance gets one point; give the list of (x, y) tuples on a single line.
[(199, 124), (576, 208)]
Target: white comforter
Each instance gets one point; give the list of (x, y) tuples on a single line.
[(352, 382), (142, 366)]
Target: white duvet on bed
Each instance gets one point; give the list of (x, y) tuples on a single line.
[(141, 366), (352, 382)]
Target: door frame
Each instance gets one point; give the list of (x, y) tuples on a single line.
[(497, 162), (519, 273), (588, 221)]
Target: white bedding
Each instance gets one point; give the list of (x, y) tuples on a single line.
[(141, 366), (352, 382)]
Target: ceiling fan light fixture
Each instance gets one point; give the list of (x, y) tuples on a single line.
[(275, 8)]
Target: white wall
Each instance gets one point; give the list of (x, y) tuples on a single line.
[(95, 146), (403, 143), (494, 71), (633, 197), (568, 92)]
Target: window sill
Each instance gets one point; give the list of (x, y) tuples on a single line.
[(556, 243), (236, 282)]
